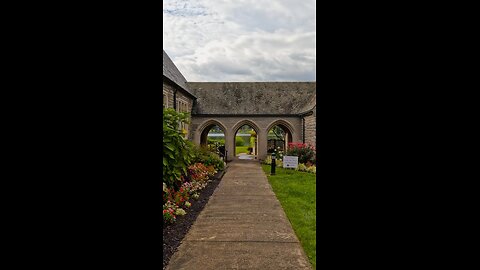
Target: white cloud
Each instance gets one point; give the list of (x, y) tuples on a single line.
[(242, 40)]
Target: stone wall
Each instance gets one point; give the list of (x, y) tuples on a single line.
[(260, 123), (256, 101), (311, 128), (168, 91)]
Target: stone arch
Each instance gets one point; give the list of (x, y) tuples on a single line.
[(290, 131), (238, 125), (241, 123), (204, 128)]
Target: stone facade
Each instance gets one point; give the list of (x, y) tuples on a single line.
[(230, 105), (311, 128), (168, 95), (261, 124), (184, 102)]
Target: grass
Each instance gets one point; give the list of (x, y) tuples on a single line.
[(296, 192), (241, 149)]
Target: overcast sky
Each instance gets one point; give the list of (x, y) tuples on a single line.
[(241, 40)]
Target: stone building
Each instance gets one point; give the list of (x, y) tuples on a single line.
[(231, 105), (175, 91)]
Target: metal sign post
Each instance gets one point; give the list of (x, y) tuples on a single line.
[(272, 171)]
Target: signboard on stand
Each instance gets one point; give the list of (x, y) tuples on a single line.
[(290, 162)]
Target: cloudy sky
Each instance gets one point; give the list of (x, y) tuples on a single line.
[(241, 40)]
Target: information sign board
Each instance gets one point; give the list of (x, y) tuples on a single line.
[(290, 161)]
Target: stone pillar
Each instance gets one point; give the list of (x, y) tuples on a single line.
[(262, 144), (287, 140), (230, 144), (297, 136), (196, 137)]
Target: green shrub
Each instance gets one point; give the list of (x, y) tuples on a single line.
[(302, 167), (305, 153), (312, 169), (177, 154), (239, 141), (205, 156), (268, 160)]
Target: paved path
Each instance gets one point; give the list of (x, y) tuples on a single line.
[(243, 226)]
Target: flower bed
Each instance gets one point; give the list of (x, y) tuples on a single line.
[(173, 234), (175, 201), (306, 157), (187, 170)]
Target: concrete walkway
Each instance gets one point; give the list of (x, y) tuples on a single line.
[(243, 226)]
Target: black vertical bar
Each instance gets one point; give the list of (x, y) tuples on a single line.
[(272, 170)]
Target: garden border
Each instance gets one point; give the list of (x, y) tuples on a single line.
[(173, 234)]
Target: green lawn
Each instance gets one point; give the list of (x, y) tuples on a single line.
[(241, 149), (296, 193)]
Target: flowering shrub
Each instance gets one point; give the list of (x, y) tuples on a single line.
[(207, 157), (181, 196), (194, 186), (169, 209), (169, 216), (197, 179), (211, 171), (302, 167), (176, 196), (168, 194), (180, 212), (198, 172), (312, 169), (304, 152)]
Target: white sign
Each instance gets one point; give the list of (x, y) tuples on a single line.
[(290, 162)]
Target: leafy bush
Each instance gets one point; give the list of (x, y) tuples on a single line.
[(207, 157), (177, 152), (279, 163), (180, 212), (268, 160), (239, 141), (169, 216), (181, 196), (212, 140), (198, 172), (169, 209), (305, 153), (302, 167), (252, 141)]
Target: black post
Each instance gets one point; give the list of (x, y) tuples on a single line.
[(272, 172)]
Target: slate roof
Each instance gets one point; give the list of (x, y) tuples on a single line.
[(310, 105), (171, 72), (253, 97)]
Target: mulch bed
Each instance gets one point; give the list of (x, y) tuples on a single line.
[(174, 233)]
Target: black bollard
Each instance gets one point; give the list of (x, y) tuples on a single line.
[(272, 172)]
